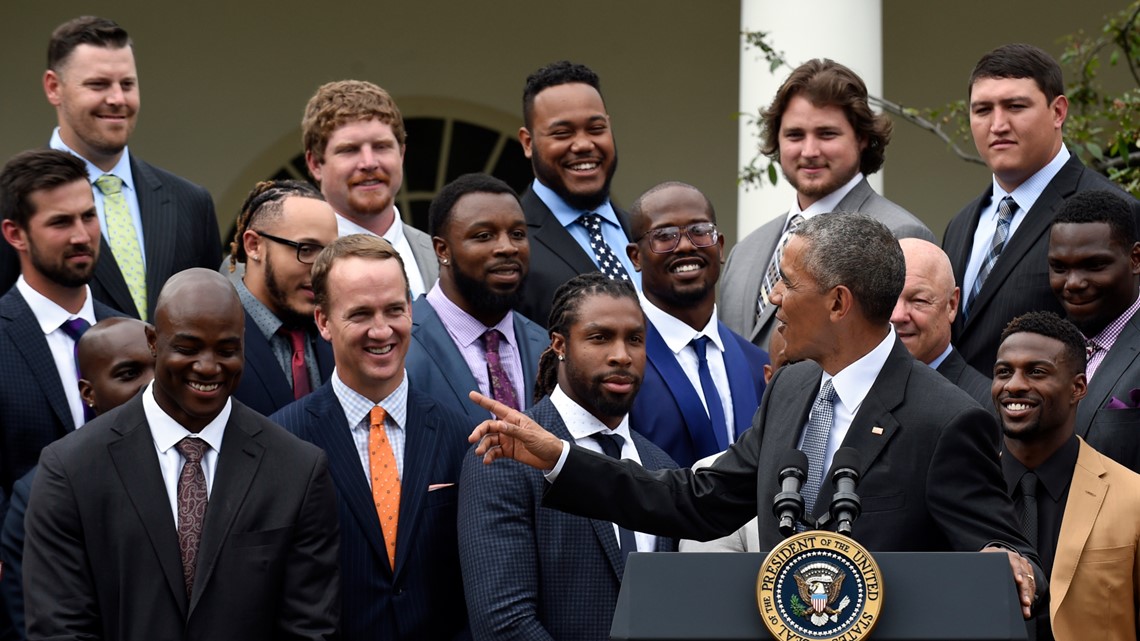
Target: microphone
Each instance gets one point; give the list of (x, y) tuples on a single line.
[(788, 505), (845, 507)]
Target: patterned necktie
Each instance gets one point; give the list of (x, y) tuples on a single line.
[(75, 328), (772, 276), (604, 256), (712, 396), (611, 445), (501, 388), (385, 480), (123, 239), (815, 443), (1029, 507), (192, 498), (1006, 209), (301, 384)]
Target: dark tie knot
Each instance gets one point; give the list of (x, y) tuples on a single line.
[(700, 345), (192, 449), (1029, 484), (109, 184), (611, 444), (75, 328)]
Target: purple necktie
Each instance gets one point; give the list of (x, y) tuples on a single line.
[(75, 328), (192, 499), (501, 388)]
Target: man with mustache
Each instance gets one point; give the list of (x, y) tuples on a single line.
[(354, 136), (821, 130), (703, 382), (536, 573), (465, 334), (50, 222), (573, 226), (282, 227), (152, 223)]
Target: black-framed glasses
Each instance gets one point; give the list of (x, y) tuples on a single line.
[(306, 252), (665, 240)]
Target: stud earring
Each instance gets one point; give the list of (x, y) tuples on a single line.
[(561, 357), (444, 261)]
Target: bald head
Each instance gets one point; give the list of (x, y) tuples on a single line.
[(115, 362), (929, 300)]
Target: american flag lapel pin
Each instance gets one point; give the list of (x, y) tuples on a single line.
[(877, 431)]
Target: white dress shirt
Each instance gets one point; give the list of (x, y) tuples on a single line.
[(394, 235)]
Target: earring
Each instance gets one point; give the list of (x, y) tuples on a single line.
[(444, 261), (91, 404), (561, 357)]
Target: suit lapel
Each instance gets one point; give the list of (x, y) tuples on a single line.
[(696, 420), (755, 280), (1118, 360), (1086, 496), (238, 461), (550, 233), (437, 343), (135, 460), (158, 213), (261, 364), (110, 279), (30, 341), (422, 445), (531, 347), (741, 383)]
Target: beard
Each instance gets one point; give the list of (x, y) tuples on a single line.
[(60, 272), (279, 300), (482, 299), (550, 177), (593, 395)]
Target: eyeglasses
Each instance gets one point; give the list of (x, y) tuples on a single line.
[(306, 252), (666, 239)]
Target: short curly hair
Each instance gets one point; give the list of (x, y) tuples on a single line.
[(1050, 325), (338, 103)]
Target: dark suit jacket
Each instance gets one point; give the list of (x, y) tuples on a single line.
[(263, 386), (434, 362), (33, 407), (12, 551), (668, 411), (1114, 432), (423, 598), (1019, 280), (531, 572), (930, 481), (555, 257), (958, 371), (180, 231), (101, 559)]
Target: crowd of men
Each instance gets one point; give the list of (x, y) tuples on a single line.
[(305, 443)]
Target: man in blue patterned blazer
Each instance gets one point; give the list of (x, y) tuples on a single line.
[(535, 573)]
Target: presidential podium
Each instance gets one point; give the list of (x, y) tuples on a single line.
[(927, 596)]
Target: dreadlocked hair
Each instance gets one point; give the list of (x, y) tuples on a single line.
[(265, 203), (567, 301)]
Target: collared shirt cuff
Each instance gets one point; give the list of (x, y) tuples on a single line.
[(552, 475)]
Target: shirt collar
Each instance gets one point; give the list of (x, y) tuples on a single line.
[(853, 383), (48, 314), (828, 203), (1107, 336), (677, 334), (266, 321), (566, 214), (1028, 192), (936, 363), (121, 170), (166, 431), (580, 422), (463, 326), (356, 406), (1055, 473), (395, 233)]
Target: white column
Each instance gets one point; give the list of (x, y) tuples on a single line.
[(847, 31)]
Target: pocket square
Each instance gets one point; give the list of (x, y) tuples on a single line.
[(439, 486), (1117, 404)]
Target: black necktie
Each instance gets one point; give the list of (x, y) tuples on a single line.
[(1029, 507), (611, 445)]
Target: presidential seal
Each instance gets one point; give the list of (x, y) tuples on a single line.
[(819, 586)]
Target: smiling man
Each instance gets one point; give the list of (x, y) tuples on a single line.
[(395, 453), (466, 334), (227, 525), (998, 243), (153, 224), (704, 382), (283, 226), (536, 573), (821, 130), (354, 138), (1080, 509), (573, 226)]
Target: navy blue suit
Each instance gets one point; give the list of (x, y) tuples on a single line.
[(532, 572), (423, 598), (264, 387), (668, 410), (434, 362)]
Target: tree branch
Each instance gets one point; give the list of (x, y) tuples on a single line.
[(922, 123)]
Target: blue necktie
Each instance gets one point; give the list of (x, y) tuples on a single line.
[(712, 396)]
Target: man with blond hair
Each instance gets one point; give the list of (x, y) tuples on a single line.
[(354, 138)]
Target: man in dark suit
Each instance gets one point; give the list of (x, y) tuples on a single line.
[(226, 524), (573, 226), (822, 131), (51, 226), (116, 363), (1094, 270), (998, 242), (395, 453), (925, 310), (465, 333), (282, 227), (535, 573), (694, 360), (929, 478), (153, 223)]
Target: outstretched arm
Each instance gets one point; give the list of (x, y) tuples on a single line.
[(513, 435)]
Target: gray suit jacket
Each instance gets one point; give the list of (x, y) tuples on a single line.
[(425, 254), (1114, 432), (744, 273)]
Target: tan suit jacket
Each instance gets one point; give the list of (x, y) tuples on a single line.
[(1096, 571)]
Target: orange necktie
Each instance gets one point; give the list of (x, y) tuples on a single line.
[(385, 480)]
